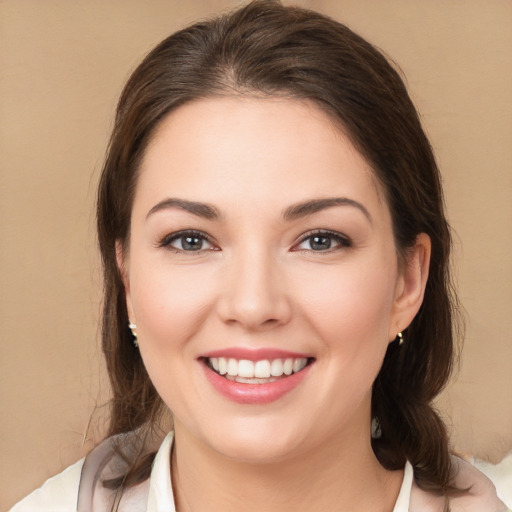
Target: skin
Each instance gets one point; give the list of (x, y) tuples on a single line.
[(257, 282)]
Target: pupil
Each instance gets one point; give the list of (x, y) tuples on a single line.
[(191, 243), (320, 242)]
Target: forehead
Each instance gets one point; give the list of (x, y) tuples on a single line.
[(250, 147)]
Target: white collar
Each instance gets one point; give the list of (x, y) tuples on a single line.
[(161, 497), (404, 497)]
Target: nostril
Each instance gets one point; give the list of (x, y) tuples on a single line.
[(254, 311)]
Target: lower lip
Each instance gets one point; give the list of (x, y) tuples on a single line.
[(254, 393)]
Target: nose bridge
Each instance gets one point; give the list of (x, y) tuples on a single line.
[(254, 294)]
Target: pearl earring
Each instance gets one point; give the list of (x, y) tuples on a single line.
[(133, 328), (376, 430)]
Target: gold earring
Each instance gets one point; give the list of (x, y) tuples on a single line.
[(133, 328), (400, 338)]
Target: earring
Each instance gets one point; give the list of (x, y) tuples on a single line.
[(400, 338), (376, 430), (132, 328)]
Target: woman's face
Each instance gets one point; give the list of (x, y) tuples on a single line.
[(261, 244)]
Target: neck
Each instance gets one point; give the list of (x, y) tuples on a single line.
[(338, 476)]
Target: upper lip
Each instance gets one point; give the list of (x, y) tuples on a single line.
[(254, 354)]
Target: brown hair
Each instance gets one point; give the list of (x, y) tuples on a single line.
[(267, 49)]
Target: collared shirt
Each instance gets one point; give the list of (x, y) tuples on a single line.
[(60, 493)]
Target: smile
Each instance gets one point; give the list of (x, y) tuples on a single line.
[(256, 372), (255, 377)]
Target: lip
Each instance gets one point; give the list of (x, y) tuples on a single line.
[(255, 354), (253, 394)]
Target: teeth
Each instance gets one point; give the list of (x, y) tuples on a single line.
[(245, 368), (251, 381), (246, 371), (232, 367), (221, 363), (297, 365), (262, 369), (276, 368)]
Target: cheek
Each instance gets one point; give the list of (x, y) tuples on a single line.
[(349, 308), (171, 306), (347, 300), (170, 303)]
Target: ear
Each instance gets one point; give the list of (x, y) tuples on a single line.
[(122, 265), (411, 284)]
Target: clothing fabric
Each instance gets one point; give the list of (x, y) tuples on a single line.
[(501, 476), (78, 489)]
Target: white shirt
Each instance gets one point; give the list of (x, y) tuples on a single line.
[(59, 494)]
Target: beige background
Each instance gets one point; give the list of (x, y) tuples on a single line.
[(62, 65)]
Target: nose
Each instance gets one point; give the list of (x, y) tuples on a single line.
[(254, 294)]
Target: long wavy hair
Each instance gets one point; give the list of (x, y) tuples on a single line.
[(266, 49)]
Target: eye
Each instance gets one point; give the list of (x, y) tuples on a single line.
[(322, 241), (187, 241)]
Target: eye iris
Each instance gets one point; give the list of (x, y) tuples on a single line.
[(191, 243), (320, 242)]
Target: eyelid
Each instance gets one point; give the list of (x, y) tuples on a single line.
[(343, 240), (166, 240)]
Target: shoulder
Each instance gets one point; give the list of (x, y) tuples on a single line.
[(79, 487), (501, 476), (58, 494), (480, 495)]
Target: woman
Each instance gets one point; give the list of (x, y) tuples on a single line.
[(275, 254)]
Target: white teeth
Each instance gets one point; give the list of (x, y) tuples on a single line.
[(232, 367), (246, 370), (299, 364), (288, 366), (223, 366), (276, 368), (251, 381), (262, 369)]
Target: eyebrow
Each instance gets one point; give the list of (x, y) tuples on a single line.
[(293, 212), (315, 205), (203, 210)]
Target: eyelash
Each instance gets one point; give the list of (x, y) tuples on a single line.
[(167, 240), (341, 240)]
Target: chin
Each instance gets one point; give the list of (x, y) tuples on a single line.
[(260, 442), (258, 453)]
